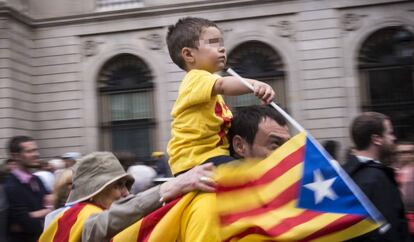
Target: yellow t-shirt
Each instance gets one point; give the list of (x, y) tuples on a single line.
[(200, 122)]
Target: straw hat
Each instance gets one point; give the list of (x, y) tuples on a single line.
[(94, 173)]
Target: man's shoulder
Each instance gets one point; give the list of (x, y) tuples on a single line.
[(353, 165), (368, 172), (11, 180)]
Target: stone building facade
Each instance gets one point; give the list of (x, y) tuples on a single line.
[(85, 75)]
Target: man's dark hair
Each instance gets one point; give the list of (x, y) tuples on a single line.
[(366, 125), (246, 122), (331, 146), (185, 33), (14, 143)]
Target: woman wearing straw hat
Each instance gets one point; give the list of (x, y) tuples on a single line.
[(100, 204)]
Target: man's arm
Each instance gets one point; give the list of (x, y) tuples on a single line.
[(103, 226)]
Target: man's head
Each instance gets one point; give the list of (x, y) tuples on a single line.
[(405, 152), (373, 131), (70, 158), (196, 43), (24, 151), (256, 131)]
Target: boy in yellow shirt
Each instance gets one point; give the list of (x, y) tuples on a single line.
[(201, 119)]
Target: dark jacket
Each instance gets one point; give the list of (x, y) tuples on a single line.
[(3, 214), (22, 200), (377, 181)]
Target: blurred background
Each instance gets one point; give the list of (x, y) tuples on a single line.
[(86, 75)]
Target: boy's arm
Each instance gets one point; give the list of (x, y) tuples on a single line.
[(231, 86)]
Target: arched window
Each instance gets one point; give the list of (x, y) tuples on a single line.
[(386, 61), (257, 60), (126, 105)]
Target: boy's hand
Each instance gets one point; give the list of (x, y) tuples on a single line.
[(263, 91)]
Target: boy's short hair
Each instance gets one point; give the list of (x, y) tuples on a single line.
[(185, 33)]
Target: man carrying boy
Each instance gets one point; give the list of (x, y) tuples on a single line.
[(201, 119)]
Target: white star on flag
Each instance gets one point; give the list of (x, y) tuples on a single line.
[(321, 187)]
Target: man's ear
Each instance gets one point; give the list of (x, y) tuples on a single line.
[(187, 54), (239, 146), (376, 139)]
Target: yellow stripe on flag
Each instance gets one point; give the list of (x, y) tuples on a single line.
[(236, 173), (76, 230), (49, 233), (304, 229), (167, 229), (163, 230), (255, 197), (355, 230), (265, 221)]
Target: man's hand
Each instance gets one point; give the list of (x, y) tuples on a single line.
[(198, 178), (263, 91)]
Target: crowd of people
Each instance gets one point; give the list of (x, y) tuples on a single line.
[(94, 197)]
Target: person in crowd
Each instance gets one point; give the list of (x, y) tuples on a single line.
[(101, 206), (70, 158), (143, 176), (3, 205), (161, 164), (62, 187), (46, 175), (61, 190), (10, 164), (27, 197), (142, 173), (256, 131), (200, 117), (56, 165), (127, 159), (372, 134), (331, 146), (405, 161)]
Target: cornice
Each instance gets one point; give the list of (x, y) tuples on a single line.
[(346, 4), (11, 12), (131, 13)]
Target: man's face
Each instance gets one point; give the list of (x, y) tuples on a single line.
[(270, 136), (388, 139), (405, 153), (29, 155)]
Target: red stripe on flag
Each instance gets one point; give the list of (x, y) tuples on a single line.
[(282, 227), (337, 225), (66, 222), (282, 167), (283, 198), (150, 221)]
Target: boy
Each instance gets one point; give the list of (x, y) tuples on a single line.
[(201, 119)]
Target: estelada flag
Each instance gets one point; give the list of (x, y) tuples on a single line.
[(295, 194)]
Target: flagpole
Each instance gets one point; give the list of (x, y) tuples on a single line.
[(372, 210), (273, 104)]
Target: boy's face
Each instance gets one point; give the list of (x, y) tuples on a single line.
[(211, 54)]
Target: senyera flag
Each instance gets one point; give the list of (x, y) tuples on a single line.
[(296, 194)]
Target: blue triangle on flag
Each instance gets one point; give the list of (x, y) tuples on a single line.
[(322, 189)]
